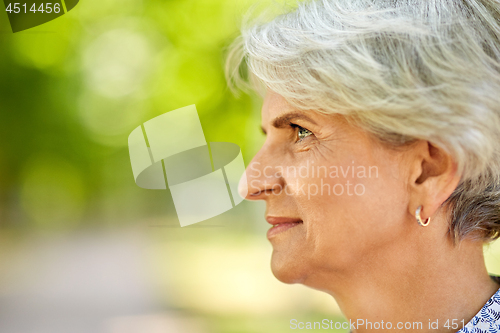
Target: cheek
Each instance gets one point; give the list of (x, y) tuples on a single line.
[(348, 211)]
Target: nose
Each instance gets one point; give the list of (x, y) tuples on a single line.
[(262, 177)]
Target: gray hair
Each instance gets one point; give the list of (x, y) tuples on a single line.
[(402, 70)]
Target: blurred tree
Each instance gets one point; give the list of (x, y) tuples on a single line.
[(72, 90)]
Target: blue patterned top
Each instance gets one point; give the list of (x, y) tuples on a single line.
[(487, 320)]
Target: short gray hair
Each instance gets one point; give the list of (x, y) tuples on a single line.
[(402, 70)]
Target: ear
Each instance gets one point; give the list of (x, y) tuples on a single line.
[(433, 178)]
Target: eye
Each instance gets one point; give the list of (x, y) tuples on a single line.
[(302, 132)]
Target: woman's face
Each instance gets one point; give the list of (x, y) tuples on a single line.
[(337, 197)]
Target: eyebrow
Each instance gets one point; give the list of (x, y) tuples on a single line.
[(284, 120)]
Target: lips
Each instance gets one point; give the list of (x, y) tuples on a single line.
[(281, 224)]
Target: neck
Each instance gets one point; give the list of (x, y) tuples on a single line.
[(415, 281)]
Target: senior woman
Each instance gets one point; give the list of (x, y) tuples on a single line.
[(381, 165)]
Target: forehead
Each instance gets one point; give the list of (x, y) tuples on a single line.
[(274, 105), (276, 111)]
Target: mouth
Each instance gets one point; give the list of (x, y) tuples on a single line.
[(281, 224)]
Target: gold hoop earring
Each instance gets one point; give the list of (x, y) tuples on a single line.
[(419, 219)]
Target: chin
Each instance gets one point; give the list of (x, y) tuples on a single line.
[(288, 269)]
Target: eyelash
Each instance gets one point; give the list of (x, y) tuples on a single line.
[(298, 128)]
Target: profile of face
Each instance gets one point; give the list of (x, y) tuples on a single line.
[(338, 198)]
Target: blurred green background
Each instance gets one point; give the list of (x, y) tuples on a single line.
[(75, 230)]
